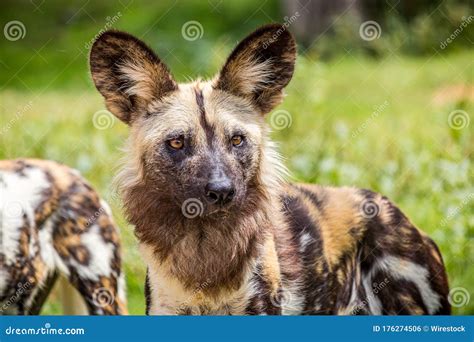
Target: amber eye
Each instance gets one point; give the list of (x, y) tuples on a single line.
[(177, 143), (237, 140)]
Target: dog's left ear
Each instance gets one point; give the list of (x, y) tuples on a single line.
[(260, 67), (128, 74)]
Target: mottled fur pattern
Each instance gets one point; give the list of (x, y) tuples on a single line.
[(275, 247), (53, 223)]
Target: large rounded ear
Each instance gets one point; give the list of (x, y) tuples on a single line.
[(260, 67), (128, 74)]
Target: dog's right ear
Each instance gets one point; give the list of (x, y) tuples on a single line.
[(260, 67), (128, 74)]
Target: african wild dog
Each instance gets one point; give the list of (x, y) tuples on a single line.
[(53, 223), (220, 230)]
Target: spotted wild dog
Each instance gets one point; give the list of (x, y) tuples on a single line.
[(53, 223), (219, 228)]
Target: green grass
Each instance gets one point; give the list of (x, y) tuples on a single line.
[(354, 121)]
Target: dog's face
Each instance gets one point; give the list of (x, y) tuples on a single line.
[(200, 140)]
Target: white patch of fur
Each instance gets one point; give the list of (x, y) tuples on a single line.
[(19, 196), (122, 288), (105, 206), (373, 302), (274, 173), (293, 299), (100, 255), (399, 268), (48, 254), (305, 240)]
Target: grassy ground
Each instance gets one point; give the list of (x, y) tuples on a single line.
[(379, 124)]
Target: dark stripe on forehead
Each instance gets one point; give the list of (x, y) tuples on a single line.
[(208, 129)]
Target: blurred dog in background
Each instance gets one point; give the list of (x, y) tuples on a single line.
[(52, 223)]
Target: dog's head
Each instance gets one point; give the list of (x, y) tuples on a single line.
[(205, 141)]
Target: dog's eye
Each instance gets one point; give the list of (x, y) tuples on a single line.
[(177, 143), (237, 140)]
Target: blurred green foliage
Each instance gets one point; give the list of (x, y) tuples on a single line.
[(54, 50), (381, 123)]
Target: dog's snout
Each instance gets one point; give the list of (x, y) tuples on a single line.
[(220, 191)]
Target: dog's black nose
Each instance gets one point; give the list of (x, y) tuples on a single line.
[(220, 191)]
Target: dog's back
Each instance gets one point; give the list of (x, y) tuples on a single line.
[(352, 251), (53, 223)]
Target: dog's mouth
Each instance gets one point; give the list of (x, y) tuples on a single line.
[(219, 211)]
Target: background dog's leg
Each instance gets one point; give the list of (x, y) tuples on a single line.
[(42, 294), (102, 297), (71, 300), (147, 293)]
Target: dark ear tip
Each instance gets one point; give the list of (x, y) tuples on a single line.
[(278, 31), (113, 44), (109, 35)]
